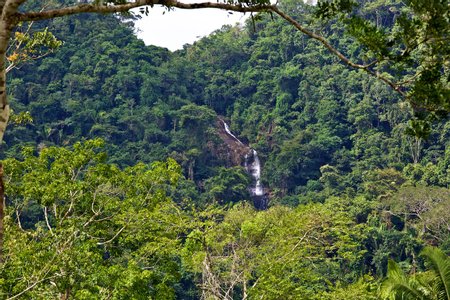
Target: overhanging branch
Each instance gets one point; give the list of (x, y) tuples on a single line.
[(396, 87), (107, 9)]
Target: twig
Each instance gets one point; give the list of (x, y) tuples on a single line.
[(29, 288)]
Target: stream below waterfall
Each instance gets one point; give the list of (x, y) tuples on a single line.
[(253, 166)]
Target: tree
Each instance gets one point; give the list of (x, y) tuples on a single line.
[(410, 54), (13, 12), (396, 47), (422, 208), (431, 285), (279, 253), (81, 228), (229, 185)]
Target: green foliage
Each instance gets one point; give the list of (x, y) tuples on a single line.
[(328, 9), (418, 128), (229, 185), (422, 208), (364, 289), (333, 143), (99, 230), (433, 284), (278, 253), (28, 46)]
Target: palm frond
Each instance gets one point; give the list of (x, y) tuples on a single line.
[(440, 264), (398, 286)]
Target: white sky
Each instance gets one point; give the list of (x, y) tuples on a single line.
[(178, 27)]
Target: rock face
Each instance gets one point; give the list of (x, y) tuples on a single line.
[(241, 154), (236, 149)]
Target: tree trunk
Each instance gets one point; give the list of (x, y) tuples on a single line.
[(66, 294), (416, 148), (5, 31), (191, 170), (4, 106), (2, 207)]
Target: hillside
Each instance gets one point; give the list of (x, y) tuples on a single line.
[(349, 184), (284, 94)]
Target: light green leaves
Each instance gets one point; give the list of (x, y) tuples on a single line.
[(81, 227)]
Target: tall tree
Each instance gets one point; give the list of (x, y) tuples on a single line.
[(11, 14)]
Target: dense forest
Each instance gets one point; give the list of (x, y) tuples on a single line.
[(121, 185)]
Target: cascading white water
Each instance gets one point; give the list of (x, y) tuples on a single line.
[(255, 169), (228, 131), (252, 164)]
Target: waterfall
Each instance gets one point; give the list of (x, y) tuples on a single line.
[(228, 131), (253, 166), (255, 170)]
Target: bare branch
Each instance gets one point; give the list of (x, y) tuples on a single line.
[(14, 65), (210, 284), (105, 9), (113, 238), (55, 210), (18, 219), (31, 286), (46, 220), (69, 210)]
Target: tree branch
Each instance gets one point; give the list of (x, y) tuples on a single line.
[(92, 8), (10, 7), (46, 220), (113, 238), (29, 288), (44, 270), (18, 219), (396, 87), (18, 46), (105, 9)]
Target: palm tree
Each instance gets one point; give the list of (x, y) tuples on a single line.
[(433, 284)]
